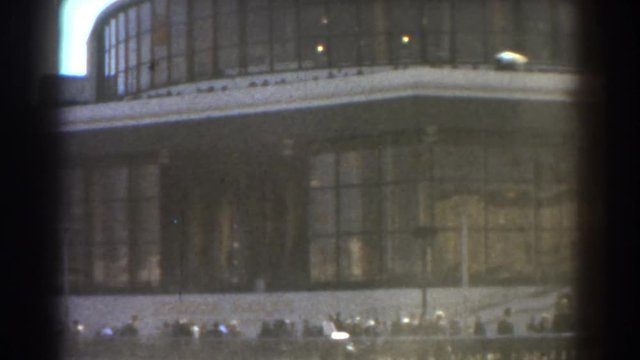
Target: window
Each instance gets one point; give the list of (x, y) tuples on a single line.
[(366, 201), (111, 227)]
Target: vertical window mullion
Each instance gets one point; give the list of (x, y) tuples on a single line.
[(169, 25), (270, 32), (359, 32), (125, 46), (89, 243), (484, 202), (453, 37), (214, 56), (328, 34), (138, 45), (298, 41), (383, 267), (241, 13), (189, 58), (424, 33), (485, 34), (131, 224), (336, 194), (536, 222), (152, 56)]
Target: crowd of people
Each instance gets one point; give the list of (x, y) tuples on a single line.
[(439, 324)]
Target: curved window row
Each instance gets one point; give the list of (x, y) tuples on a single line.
[(154, 43)]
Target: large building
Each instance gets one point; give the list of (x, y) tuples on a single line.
[(258, 159)]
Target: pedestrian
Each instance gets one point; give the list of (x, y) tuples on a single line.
[(131, 328), (478, 327), (505, 326)]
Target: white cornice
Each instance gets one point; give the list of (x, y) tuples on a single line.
[(326, 92)]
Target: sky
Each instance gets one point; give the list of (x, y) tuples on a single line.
[(76, 21)]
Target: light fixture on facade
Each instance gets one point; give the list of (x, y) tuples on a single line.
[(405, 39), (324, 20), (509, 60), (320, 48)]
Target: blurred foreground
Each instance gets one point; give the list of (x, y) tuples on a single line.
[(548, 346)]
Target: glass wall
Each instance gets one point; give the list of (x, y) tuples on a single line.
[(513, 207), (346, 219), (110, 227), (155, 43)]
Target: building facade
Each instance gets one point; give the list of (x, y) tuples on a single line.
[(229, 147)]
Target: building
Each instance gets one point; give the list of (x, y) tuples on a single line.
[(260, 159)]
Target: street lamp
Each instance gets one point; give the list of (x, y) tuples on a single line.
[(428, 235)]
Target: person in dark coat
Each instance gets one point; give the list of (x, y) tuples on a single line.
[(131, 328), (478, 327), (563, 319), (505, 326)]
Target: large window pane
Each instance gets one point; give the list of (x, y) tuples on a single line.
[(284, 56), (145, 17), (283, 24), (358, 258), (178, 39), (510, 208), (505, 164), (258, 58), (469, 29), (374, 49), (322, 212), (399, 207), (400, 163), (178, 11), (357, 167), (160, 72), (344, 50), (203, 34), (227, 34), (456, 204), (203, 64), (257, 27), (322, 259), (437, 17), (343, 19), (178, 69), (147, 268), (313, 20), (228, 60), (322, 172), (537, 31), (132, 22), (510, 256), (403, 256), (351, 210), (458, 162)]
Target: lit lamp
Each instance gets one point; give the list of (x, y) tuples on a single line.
[(405, 39), (320, 48)]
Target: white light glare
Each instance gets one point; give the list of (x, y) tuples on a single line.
[(195, 330), (339, 335), (511, 57)]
